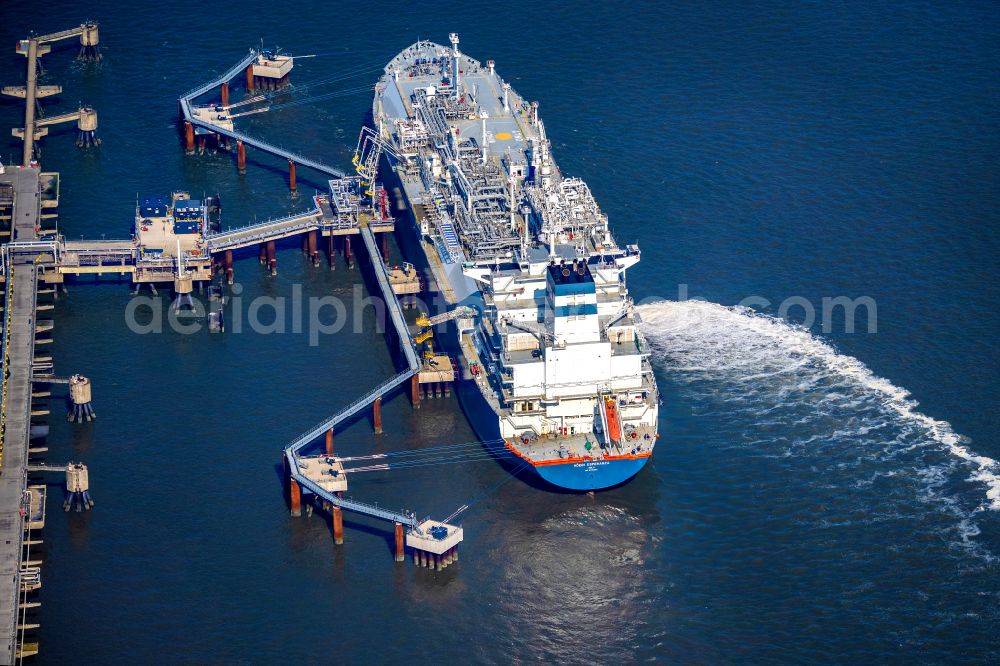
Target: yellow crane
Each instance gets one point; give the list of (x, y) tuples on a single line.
[(425, 326)]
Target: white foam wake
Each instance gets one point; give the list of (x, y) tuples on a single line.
[(774, 365)]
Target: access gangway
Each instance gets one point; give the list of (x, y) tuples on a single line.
[(232, 239), (185, 103), (412, 367)]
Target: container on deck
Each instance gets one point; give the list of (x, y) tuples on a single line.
[(188, 210), (153, 206), (187, 227)]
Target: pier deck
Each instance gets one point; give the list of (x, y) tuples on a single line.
[(18, 355)]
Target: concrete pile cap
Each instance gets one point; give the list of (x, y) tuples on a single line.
[(77, 478), (423, 540)]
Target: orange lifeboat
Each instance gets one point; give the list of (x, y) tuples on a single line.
[(614, 427)]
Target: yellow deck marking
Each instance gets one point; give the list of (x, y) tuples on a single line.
[(503, 136)]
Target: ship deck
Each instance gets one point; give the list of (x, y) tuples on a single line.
[(506, 130), (555, 449)]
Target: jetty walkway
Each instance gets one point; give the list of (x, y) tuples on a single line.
[(19, 316)]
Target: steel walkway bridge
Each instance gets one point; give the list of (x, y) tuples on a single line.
[(412, 367), (186, 100), (232, 239)]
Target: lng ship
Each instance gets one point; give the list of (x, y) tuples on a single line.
[(556, 365)]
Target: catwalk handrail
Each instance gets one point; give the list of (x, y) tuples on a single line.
[(224, 78), (347, 412), (366, 508), (185, 102), (219, 240), (258, 143), (395, 313), (412, 362)]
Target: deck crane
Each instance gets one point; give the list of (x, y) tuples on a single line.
[(425, 325), (371, 145)]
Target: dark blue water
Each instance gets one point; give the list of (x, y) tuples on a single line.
[(802, 505)]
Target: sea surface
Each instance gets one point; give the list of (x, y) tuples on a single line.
[(818, 495)]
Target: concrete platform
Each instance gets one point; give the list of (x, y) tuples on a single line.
[(325, 471), (213, 115), (439, 368), (404, 281), (159, 233), (428, 543)]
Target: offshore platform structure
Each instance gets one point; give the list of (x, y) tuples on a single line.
[(36, 127)]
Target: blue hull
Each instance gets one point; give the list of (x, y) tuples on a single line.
[(593, 475)]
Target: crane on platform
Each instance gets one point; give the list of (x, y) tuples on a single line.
[(425, 325)]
